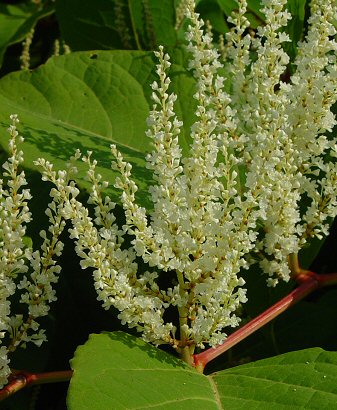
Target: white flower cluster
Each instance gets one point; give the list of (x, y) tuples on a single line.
[(258, 153), (281, 124), (21, 269), (140, 302), (25, 55)]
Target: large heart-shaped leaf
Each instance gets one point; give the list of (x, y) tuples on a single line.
[(119, 371), (89, 100)]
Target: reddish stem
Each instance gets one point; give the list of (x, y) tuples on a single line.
[(308, 282), (20, 379)]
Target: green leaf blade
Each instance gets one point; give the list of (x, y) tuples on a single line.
[(88, 25), (103, 25), (119, 371), (16, 21), (305, 379), (89, 100)]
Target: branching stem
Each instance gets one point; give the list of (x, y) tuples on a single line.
[(308, 282), (21, 379)]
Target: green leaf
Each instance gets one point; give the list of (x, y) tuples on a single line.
[(210, 10), (16, 21), (254, 15), (119, 371), (137, 24), (153, 22), (305, 379), (89, 100), (228, 6), (295, 26), (88, 25)]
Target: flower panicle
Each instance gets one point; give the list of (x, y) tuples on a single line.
[(258, 149), (30, 273)]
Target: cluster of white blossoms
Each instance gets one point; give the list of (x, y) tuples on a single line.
[(256, 153), (259, 181), (282, 124), (23, 271)]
